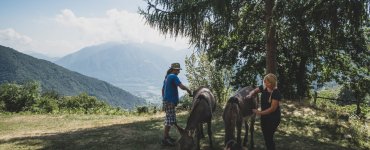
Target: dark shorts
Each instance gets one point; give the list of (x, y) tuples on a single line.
[(170, 118)]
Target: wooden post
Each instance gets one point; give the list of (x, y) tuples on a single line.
[(358, 110), (314, 98)]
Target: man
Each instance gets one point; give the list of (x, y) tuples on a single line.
[(170, 96)]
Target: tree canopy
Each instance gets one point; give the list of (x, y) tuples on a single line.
[(302, 41)]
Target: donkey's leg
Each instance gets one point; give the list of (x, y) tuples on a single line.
[(246, 127), (201, 130), (229, 131), (226, 139), (253, 120), (210, 134), (198, 131), (238, 131)]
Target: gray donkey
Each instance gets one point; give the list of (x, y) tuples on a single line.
[(203, 106), (238, 110)]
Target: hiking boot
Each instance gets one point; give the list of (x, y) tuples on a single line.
[(167, 142)]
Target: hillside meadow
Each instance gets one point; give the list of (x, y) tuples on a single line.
[(303, 127)]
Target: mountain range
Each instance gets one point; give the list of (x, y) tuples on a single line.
[(136, 67), (20, 68)]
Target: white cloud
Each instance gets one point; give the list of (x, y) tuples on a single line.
[(23, 43), (116, 25), (67, 32), (11, 38)]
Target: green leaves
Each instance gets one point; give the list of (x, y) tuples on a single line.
[(316, 40), (202, 72), (21, 98), (16, 98)]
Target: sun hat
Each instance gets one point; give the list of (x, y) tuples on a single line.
[(175, 66)]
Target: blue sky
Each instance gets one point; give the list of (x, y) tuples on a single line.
[(59, 27)]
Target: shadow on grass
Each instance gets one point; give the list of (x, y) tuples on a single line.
[(137, 135), (294, 142), (147, 135)]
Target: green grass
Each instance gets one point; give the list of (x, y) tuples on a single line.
[(302, 128)]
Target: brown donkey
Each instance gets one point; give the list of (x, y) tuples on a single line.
[(238, 110), (203, 106)]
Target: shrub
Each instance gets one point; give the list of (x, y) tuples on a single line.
[(185, 103), (18, 98), (51, 94), (346, 96), (45, 105), (147, 109), (26, 99), (142, 109), (2, 106), (82, 103), (10, 95)]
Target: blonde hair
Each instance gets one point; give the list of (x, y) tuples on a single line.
[(271, 78)]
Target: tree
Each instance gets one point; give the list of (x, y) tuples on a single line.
[(202, 72), (270, 37), (82, 102), (302, 41), (16, 98)]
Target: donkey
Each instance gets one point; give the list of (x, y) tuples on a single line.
[(203, 105), (237, 110)]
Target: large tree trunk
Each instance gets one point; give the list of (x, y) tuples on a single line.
[(271, 63), (301, 78)]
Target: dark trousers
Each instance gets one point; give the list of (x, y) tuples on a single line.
[(269, 127)]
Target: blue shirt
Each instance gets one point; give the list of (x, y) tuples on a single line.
[(171, 93)]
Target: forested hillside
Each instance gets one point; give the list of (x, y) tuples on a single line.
[(20, 68)]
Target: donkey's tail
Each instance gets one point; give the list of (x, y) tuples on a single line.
[(231, 116)]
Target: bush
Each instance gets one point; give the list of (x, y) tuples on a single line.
[(346, 95), (142, 109), (45, 105), (2, 106), (185, 103), (148, 109), (51, 94), (18, 98), (26, 99), (82, 103)]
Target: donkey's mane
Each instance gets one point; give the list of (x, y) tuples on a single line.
[(198, 89), (199, 95)]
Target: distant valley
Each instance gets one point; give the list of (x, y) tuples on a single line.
[(135, 67)]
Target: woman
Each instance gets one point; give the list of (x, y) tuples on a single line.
[(270, 110)]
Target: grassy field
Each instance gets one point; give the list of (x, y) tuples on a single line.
[(302, 128)]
